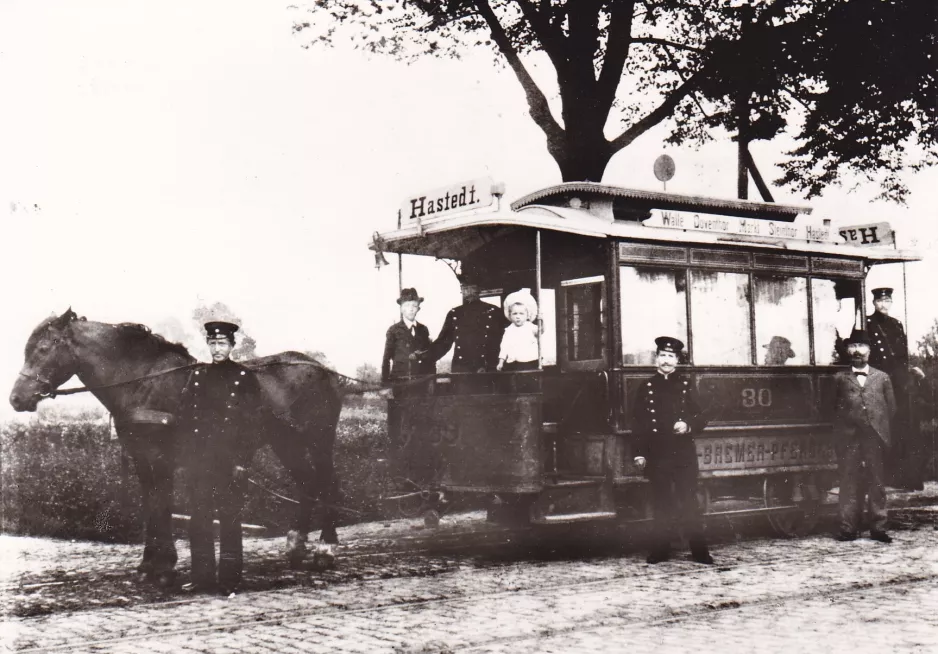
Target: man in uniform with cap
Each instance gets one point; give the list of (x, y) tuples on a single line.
[(405, 344), (864, 407), (889, 352), (221, 409), (475, 327), (667, 416)]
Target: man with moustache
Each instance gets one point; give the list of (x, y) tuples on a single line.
[(864, 406), (667, 415), (221, 414)]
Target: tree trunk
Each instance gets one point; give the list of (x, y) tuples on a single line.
[(742, 142), (582, 159)]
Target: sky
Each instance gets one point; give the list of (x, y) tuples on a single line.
[(159, 156)]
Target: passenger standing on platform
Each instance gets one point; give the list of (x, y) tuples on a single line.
[(519, 341), (667, 416), (864, 407), (473, 329), (221, 410), (889, 352), (405, 344)]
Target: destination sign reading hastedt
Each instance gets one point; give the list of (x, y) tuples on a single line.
[(704, 222), (464, 196)]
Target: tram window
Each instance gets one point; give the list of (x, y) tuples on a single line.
[(836, 305), (654, 303), (720, 315), (583, 320), (781, 320)]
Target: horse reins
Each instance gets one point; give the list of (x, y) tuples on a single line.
[(87, 389)]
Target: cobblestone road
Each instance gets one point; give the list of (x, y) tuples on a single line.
[(766, 595)]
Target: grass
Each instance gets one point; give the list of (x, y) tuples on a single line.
[(63, 475)]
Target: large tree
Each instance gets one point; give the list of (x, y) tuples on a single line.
[(852, 81)]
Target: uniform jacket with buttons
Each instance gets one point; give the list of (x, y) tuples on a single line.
[(889, 348), (658, 403), (476, 329), (221, 413), (870, 406), (399, 344)]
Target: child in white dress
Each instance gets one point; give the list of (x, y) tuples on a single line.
[(519, 342)]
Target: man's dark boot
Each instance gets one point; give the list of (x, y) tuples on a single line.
[(881, 536), (701, 554), (658, 556)]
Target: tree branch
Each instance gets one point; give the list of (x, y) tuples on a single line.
[(666, 43), (665, 109), (537, 103), (545, 31), (617, 52)]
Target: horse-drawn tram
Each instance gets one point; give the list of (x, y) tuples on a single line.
[(761, 294)]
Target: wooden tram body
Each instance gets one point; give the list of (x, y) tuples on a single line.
[(760, 298)]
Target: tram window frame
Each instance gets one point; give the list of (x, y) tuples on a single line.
[(564, 330), (643, 352), (745, 324), (783, 339), (850, 284)]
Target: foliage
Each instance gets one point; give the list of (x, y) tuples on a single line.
[(62, 476), (853, 82)]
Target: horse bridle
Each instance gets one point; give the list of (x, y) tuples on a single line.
[(43, 383)]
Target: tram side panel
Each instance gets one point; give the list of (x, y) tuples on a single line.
[(482, 443), (760, 423)]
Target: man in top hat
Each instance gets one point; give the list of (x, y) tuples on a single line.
[(222, 402), (863, 409), (889, 352), (475, 327), (667, 415), (405, 344)]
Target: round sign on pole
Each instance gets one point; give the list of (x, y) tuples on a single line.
[(664, 168)]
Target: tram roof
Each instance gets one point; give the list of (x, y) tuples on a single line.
[(640, 199), (594, 210), (456, 236)]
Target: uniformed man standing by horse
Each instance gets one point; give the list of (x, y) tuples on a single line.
[(889, 352), (667, 415), (221, 410)]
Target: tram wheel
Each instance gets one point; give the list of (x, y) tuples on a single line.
[(777, 491)]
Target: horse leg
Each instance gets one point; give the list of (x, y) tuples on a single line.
[(328, 495), (287, 447), (138, 455), (154, 461), (161, 507)]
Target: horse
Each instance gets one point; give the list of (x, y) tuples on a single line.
[(139, 377)]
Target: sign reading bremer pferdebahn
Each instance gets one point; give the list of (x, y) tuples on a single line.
[(465, 196)]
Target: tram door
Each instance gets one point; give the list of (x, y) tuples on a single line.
[(575, 392)]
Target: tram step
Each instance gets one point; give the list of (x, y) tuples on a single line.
[(564, 518), (573, 497)]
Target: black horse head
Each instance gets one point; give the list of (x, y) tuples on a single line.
[(48, 362)]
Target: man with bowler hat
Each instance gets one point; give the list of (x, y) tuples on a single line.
[(667, 415), (864, 407), (889, 352), (405, 344), (220, 417), (475, 329)]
